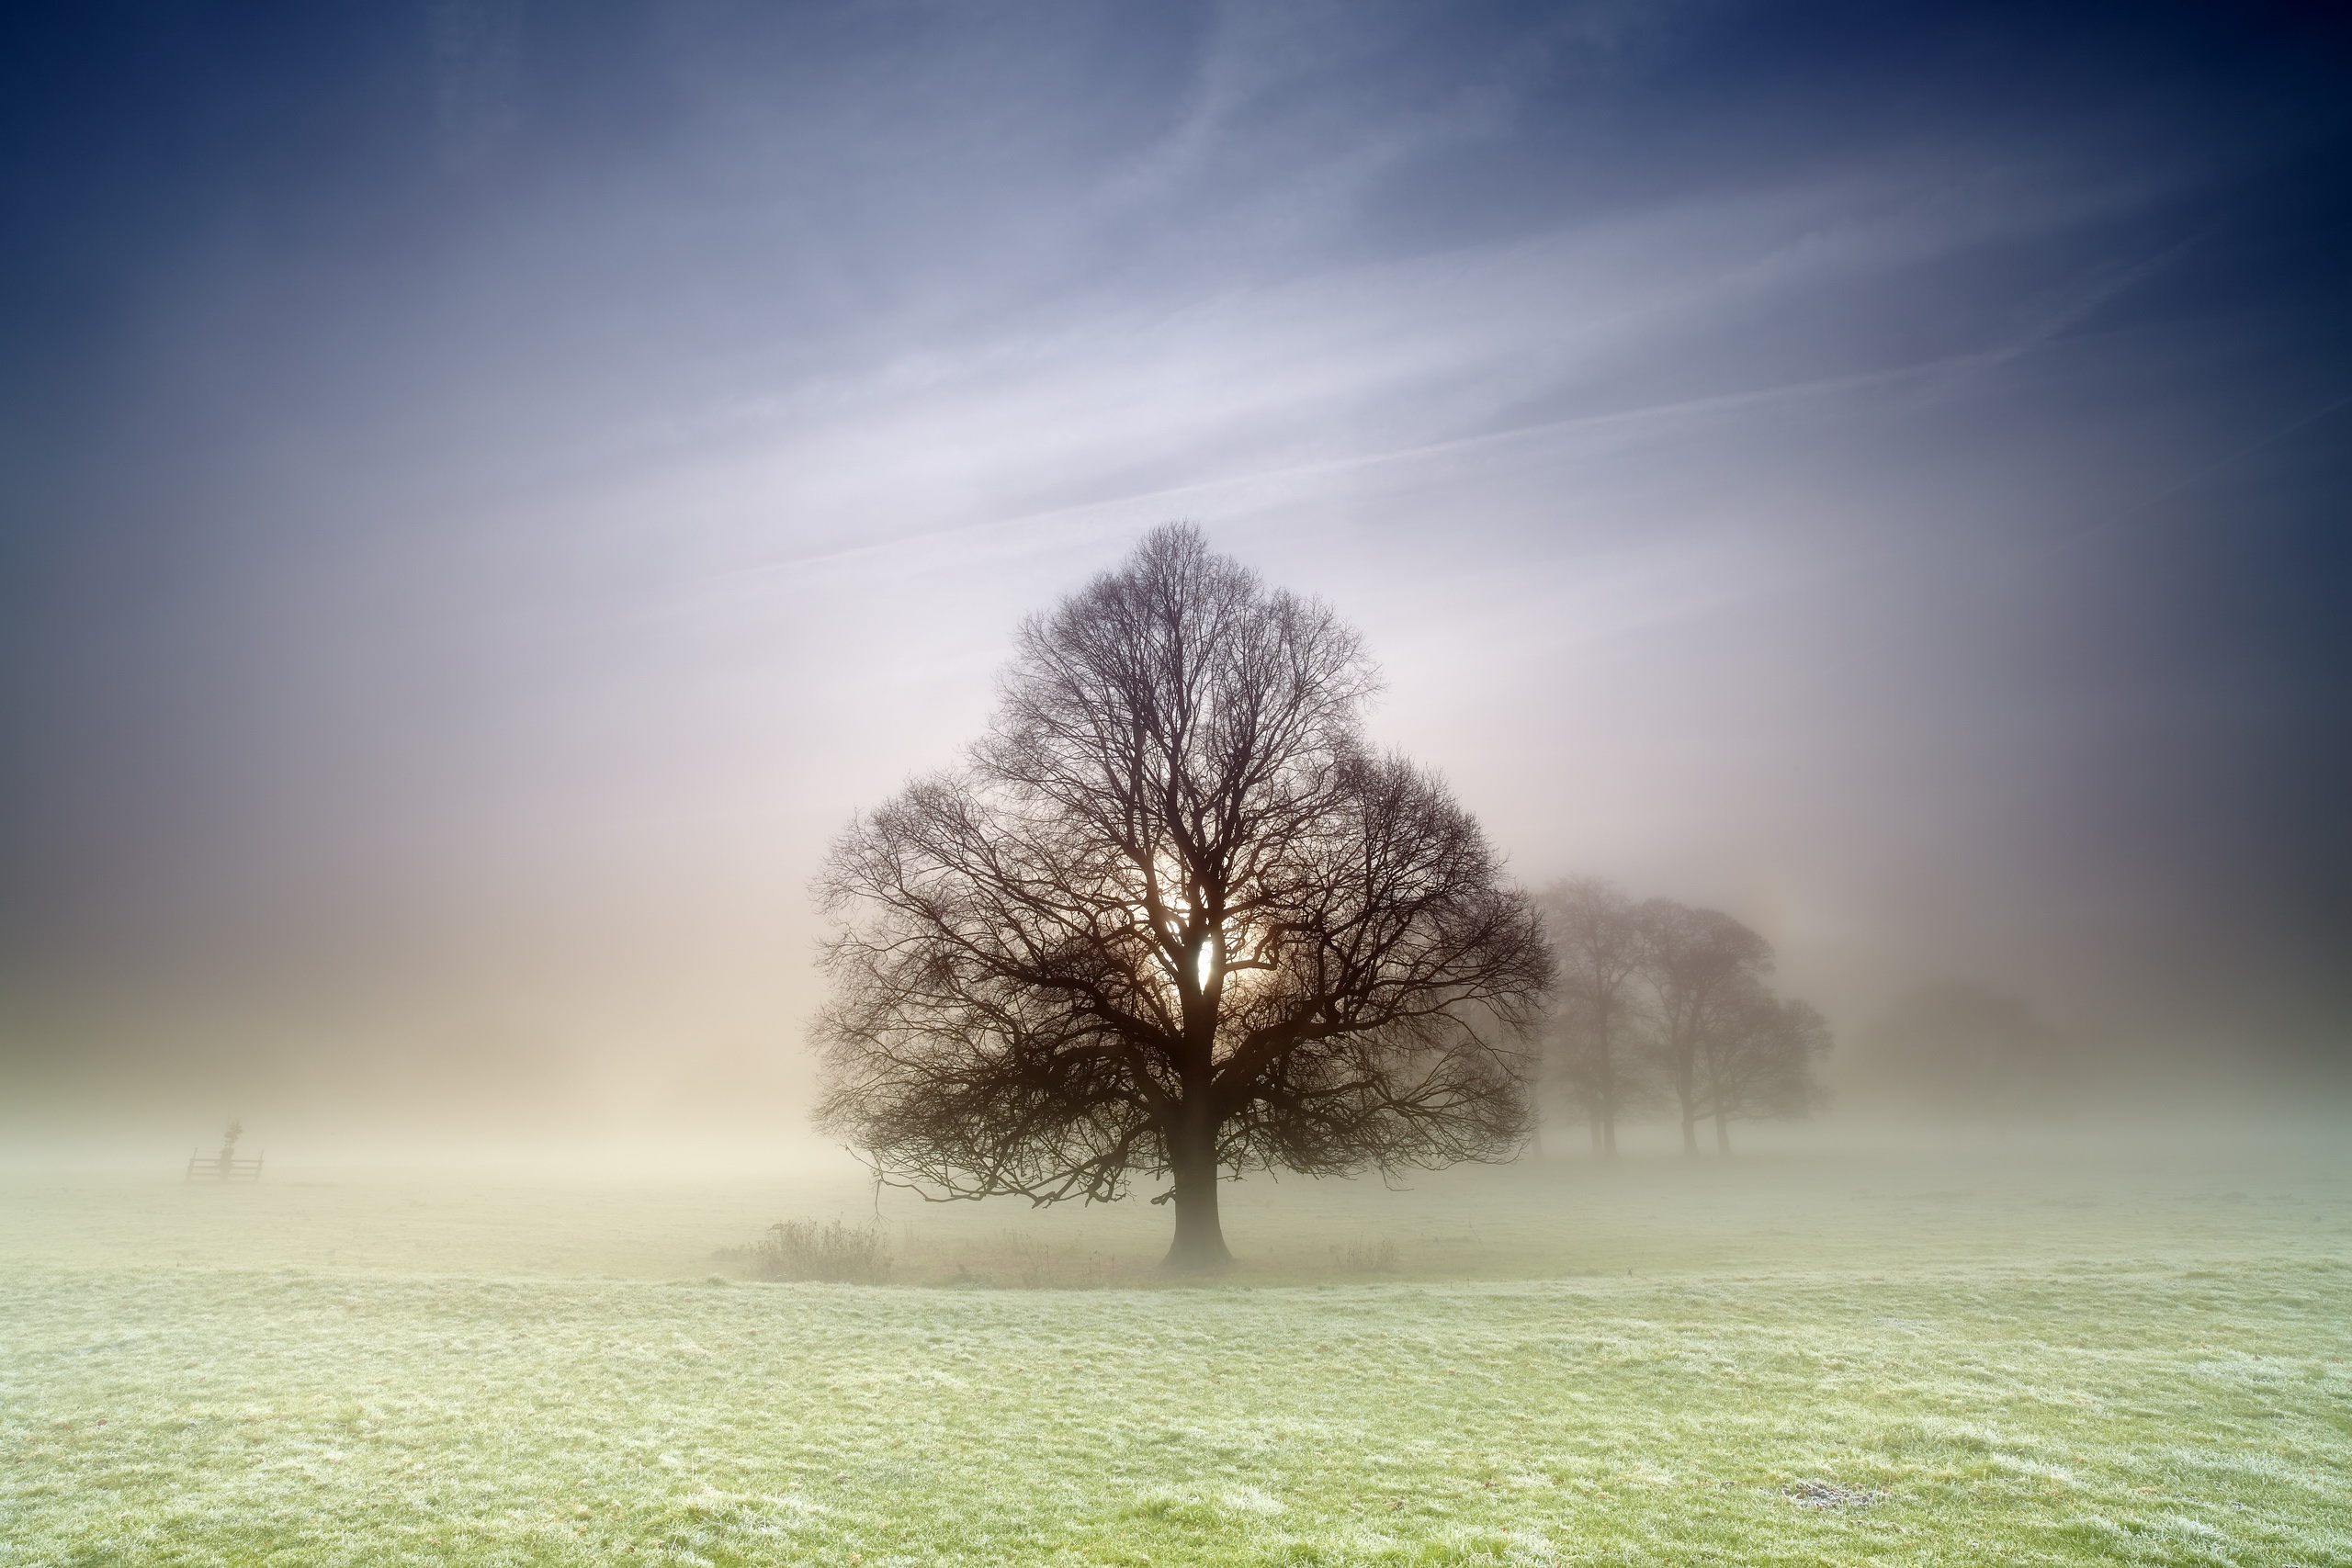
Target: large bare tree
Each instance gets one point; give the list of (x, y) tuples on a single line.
[(1172, 917), (1594, 1045)]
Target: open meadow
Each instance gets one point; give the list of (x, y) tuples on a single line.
[(2031, 1355)]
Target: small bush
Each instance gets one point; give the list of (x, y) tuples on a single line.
[(1032, 1259), (803, 1250), (1366, 1257)]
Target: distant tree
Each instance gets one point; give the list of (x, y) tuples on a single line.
[(1704, 972), (1172, 917), (1593, 1046), (1956, 1049), (1761, 1060)]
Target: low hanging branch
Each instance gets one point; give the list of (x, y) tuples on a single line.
[(1172, 917)]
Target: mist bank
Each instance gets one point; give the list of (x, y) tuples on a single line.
[(716, 1060), (1880, 476), (622, 1136)]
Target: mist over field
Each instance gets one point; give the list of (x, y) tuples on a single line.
[(493, 490), (1586, 758), (2084, 1353)]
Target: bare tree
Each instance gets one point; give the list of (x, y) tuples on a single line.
[(1761, 1060), (1171, 918), (1704, 970), (1593, 1046)]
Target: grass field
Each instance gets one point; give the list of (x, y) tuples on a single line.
[(2023, 1359)]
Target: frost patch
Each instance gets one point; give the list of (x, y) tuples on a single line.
[(1824, 1494)]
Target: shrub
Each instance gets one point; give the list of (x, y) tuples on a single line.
[(803, 1250)]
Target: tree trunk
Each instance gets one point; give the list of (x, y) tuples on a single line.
[(1722, 1135), (1608, 1139), (1686, 1095), (1199, 1247), (1599, 1136)]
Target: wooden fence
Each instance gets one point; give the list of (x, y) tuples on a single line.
[(224, 1167)]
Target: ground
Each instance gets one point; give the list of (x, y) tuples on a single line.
[(2041, 1356)]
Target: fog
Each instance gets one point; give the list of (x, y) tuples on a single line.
[(490, 492)]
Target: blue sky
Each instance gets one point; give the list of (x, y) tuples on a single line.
[(490, 488)]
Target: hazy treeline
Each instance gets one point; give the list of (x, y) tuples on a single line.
[(1665, 1011), (1659, 1007), (1960, 1051)]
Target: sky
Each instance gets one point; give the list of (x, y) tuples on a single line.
[(487, 491)]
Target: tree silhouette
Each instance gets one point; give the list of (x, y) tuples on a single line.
[(1172, 917), (1760, 1062), (1704, 971), (1594, 1046), (1728, 1048)]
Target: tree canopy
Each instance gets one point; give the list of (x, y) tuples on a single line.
[(1656, 1001), (1173, 917)]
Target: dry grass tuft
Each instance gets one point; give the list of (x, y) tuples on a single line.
[(804, 1250)]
